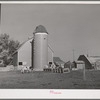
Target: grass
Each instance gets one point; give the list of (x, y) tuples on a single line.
[(47, 80)]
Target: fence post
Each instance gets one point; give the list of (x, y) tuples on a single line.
[(84, 73)]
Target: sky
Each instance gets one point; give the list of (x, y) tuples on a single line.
[(71, 27)]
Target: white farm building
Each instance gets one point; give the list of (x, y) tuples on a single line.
[(34, 51), (23, 53)]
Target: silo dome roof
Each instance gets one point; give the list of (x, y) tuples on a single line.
[(41, 29)]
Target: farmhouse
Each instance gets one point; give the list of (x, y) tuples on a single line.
[(91, 62)]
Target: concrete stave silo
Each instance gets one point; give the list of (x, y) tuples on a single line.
[(40, 48)]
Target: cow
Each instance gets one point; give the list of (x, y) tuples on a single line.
[(25, 69)]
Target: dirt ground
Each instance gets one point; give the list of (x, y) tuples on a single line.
[(48, 80)]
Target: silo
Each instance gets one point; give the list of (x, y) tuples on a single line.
[(40, 48)]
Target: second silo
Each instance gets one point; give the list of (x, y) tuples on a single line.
[(40, 48)]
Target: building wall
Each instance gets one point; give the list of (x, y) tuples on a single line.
[(80, 66), (87, 63), (25, 53)]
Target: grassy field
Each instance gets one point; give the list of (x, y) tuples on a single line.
[(47, 80)]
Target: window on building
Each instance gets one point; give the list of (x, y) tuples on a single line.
[(50, 62), (20, 63)]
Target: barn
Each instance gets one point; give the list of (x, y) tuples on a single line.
[(91, 62), (34, 52), (24, 54)]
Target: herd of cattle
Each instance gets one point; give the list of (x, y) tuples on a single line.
[(54, 67)]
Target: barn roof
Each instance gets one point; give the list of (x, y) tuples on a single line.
[(58, 60), (92, 59), (41, 29), (22, 45)]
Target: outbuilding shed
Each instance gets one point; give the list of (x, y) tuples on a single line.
[(91, 62)]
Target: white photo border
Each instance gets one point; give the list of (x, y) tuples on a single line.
[(49, 93)]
